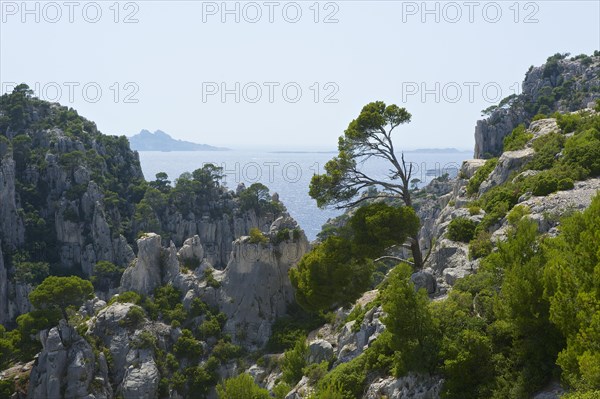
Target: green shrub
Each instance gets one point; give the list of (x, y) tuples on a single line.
[(346, 381), (187, 346), (294, 361), (198, 307), (481, 246), (241, 387), (281, 390), (211, 281), (257, 237), (565, 184), (544, 184), (146, 340), (546, 149), (106, 275), (287, 330), (7, 387), (517, 213), (568, 122), (209, 328), (474, 210), (225, 351), (517, 139), (583, 149), (316, 371), (595, 394), (31, 272), (480, 175), (126, 297), (461, 229), (409, 320), (134, 317)]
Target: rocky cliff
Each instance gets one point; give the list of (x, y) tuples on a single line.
[(562, 84)]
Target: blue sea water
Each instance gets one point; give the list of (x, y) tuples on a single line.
[(289, 173)]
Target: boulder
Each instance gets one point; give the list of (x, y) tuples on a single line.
[(412, 386), (424, 279), (509, 162), (319, 351), (469, 167), (191, 250)]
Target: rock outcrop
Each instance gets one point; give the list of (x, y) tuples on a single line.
[(67, 367), (411, 386), (12, 230), (256, 288), (576, 79), (144, 274), (509, 161), (3, 289)]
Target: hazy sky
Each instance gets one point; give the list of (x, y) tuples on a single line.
[(294, 73)]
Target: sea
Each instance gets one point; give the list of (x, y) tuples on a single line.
[(288, 173)]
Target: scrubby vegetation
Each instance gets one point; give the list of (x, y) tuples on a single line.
[(517, 139), (337, 271), (480, 175), (503, 332), (461, 229)]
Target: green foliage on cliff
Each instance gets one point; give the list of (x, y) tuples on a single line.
[(517, 139), (338, 270), (241, 387), (480, 175), (413, 330), (461, 229), (60, 293)]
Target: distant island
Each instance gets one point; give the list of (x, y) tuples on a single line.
[(437, 150), (161, 141)]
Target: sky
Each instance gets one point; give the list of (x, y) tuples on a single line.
[(279, 74)]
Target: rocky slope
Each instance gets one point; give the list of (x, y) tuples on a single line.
[(563, 84), (72, 197)]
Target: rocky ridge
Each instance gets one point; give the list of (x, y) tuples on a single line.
[(562, 84)]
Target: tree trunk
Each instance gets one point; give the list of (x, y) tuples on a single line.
[(416, 251)]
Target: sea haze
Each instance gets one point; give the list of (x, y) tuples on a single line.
[(288, 173)]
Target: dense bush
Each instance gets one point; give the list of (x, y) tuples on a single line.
[(60, 293), (481, 245), (187, 346), (571, 285), (546, 149), (31, 272), (135, 316), (461, 229), (583, 150), (517, 139), (257, 198), (328, 276), (480, 175), (106, 275), (338, 270), (414, 333), (346, 381), (257, 237), (294, 362), (241, 387), (126, 297)]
